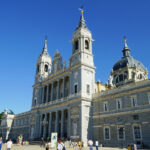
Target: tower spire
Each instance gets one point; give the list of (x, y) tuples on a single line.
[(45, 49), (126, 50), (82, 21)]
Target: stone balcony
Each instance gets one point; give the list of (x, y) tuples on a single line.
[(57, 101)]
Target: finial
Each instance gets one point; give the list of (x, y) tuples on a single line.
[(45, 45), (125, 42), (126, 50), (45, 38), (82, 21), (81, 9)]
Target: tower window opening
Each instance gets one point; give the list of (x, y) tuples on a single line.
[(117, 80), (76, 45), (46, 68), (38, 69), (86, 44), (88, 88), (35, 102), (75, 88)]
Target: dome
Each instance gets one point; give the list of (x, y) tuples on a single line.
[(128, 62), (57, 54)]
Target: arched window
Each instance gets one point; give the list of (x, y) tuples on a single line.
[(120, 77), (133, 75), (86, 44), (140, 76), (76, 45), (38, 69), (46, 68), (35, 101), (117, 80)]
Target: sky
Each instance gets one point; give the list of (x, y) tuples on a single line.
[(24, 24)]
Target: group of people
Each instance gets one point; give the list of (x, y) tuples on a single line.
[(60, 145), (20, 140), (8, 144), (72, 143)]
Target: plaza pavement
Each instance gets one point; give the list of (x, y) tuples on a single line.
[(37, 147)]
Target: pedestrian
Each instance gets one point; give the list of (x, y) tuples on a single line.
[(74, 143), (42, 142), (79, 144), (1, 143), (60, 145), (47, 145), (96, 144), (90, 143), (9, 144)]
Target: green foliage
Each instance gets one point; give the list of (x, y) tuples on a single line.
[(1, 114)]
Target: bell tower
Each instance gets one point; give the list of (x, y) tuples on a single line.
[(82, 44), (43, 64)]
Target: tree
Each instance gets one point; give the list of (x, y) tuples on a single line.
[(1, 115)]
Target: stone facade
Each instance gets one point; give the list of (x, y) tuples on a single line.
[(127, 122), (67, 100)]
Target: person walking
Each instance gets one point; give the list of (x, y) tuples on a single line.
[(47, 145), (96, 144), (9, 144), (60, 145), (42, 142), (1, 143)]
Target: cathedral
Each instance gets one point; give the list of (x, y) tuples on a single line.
[(67, 99)]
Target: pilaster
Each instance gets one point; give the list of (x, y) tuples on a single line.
[(50, 123), (56, 122), (57, 89), (47, 93), (68, 123), (62, 123), (52, 91)]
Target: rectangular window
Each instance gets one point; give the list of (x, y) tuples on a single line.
[(133, 101), (137, 132), (88, 88), (107, 133), (135, 117), (121, 135), (149, 98), (119, 105), (105, 106), (75, 88)]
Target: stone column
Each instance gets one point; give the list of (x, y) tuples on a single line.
[(44, 131), (47, 93), (63, 87), (56, 122), (69, 92), (62, 123), (57, 89), (37, 125), (68, 123), (40, 125), (50, 123), (43, 95), (52, 91)]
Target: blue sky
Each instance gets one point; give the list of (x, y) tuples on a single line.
[(24, 24)]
